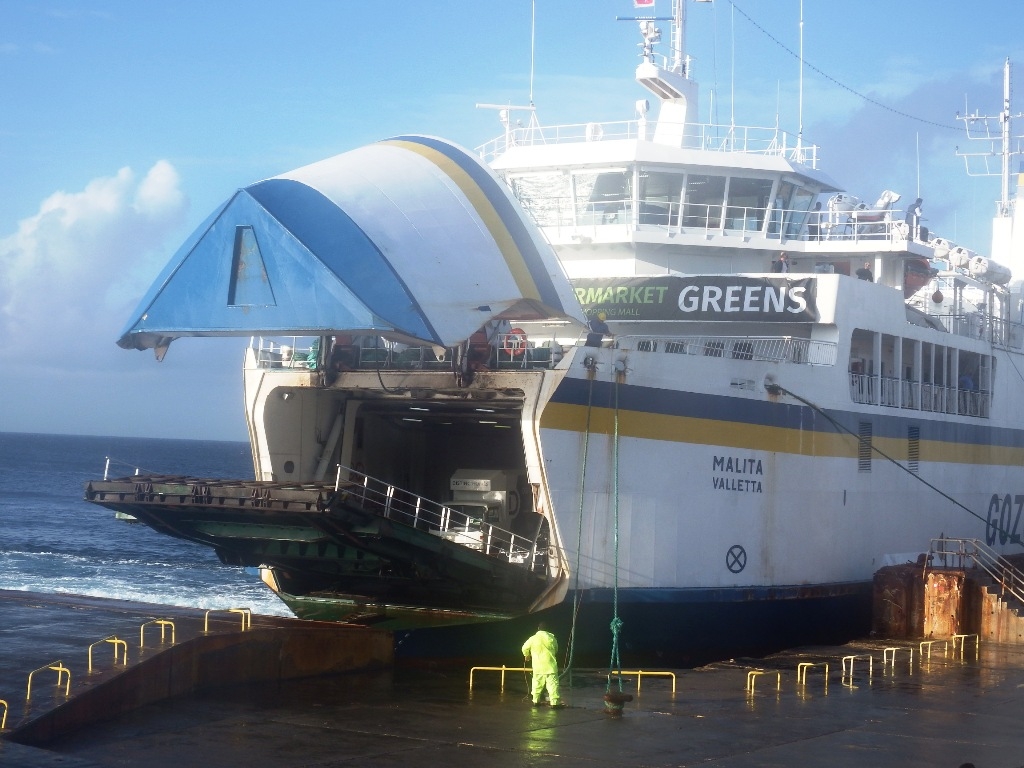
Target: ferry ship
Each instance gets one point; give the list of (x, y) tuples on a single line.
[(655, 375)]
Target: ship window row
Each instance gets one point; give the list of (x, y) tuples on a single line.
[(899, 372), (778, 349), (681, 200)]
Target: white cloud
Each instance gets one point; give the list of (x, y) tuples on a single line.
[(76, 268), (159, 193)]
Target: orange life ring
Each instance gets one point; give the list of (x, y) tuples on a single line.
[(514, 342)]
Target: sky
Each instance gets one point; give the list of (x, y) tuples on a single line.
[(123, 124)]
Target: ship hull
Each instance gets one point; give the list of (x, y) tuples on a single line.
[(688, 488), (726, 472), (668, 628), (726, 524)]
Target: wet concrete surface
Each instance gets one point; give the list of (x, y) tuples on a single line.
[(942, 712)]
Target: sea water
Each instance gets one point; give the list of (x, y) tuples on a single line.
[(51, 540)]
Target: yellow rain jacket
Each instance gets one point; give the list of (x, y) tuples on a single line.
[(542, 648)]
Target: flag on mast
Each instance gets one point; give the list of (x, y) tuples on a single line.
[(643, 3)]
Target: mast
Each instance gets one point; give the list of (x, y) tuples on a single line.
[(997, 131), (668, 78), (800, 123), (678, 38), (1006, 120)]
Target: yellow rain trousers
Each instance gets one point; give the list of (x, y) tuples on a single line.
[(542, 649)]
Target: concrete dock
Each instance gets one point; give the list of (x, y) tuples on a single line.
[(939, 711)]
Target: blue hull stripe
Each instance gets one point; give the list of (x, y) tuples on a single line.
[(785, 415)]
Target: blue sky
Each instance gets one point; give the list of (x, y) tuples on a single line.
[(123, 124)]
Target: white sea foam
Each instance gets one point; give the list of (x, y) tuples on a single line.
[(55, 542)]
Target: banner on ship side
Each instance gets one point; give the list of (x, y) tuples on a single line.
[(671, 297)]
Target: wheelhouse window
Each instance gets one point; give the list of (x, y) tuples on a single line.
[(545, 196), (705, 196), (747, 204), (799, 206), (602, 198), (660, 197)]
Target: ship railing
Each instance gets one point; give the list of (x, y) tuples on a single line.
[(964, 553), (935, 398), (291, 352), (755, 140), (938, 398), (980, 325), (564, 216), (890, 391), (1006, 333), (511, 350), (863, 388), (777, 349), (909, 395), (450, 521)]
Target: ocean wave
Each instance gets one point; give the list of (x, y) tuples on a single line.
[(261, 602), (54, 542), (70, 557)]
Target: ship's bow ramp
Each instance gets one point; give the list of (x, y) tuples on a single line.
[(412, 238)]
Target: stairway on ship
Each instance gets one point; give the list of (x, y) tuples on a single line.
[(960, 587), (999, 611)]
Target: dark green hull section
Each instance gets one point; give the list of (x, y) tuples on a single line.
[(339, 554)]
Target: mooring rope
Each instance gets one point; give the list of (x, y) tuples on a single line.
[(570, 651), (614, 664), (777, 388)]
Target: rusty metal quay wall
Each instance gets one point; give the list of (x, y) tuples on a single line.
[(210, 650)]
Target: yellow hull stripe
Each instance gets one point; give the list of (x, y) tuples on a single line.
[(755, 437), (485, 210)]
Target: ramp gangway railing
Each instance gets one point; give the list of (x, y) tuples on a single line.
[(453, 522), (965, 553)]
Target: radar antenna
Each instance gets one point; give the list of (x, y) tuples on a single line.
[(997, 130)]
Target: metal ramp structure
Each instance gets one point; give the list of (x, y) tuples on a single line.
[(363, 538)]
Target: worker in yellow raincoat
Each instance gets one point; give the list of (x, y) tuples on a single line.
[(542, 649)]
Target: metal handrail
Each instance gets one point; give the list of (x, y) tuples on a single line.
[(707, 136), (389, 501), (927, 644), (163, 624), (649, 673), (503, 669), (936, 398), (567, 216), (117, 643), (848, 662), (958, 553), (889, 655), (803, 667), (753, 674), (778, 349), (59, 668), (245, 613), (285, 352), (963, 638)]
